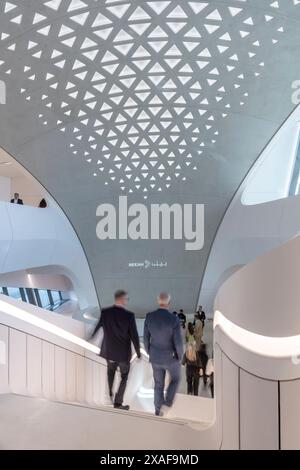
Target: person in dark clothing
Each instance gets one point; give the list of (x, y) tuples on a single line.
[(203, 362), (196, 317), (163, 343), (201, 315), (182, 317), (43, 204), (210, 374), (120, 330), (211, 385), (192, 362), (16, 199)]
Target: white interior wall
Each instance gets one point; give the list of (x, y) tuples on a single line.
[(5, 188), (28, 189), (260, 217), (271, 176), (36, 281), (47, 241)]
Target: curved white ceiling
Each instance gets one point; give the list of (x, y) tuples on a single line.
[(147, 96), (143, 86)]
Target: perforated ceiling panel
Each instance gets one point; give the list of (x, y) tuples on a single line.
[(142, 91), (145, 85)]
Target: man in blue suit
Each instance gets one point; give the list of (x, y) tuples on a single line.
[(163, 343)]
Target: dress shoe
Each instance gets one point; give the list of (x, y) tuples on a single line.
[(121, 407)]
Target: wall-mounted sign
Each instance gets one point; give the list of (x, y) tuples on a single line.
[(148, 264)]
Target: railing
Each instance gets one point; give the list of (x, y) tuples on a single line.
[(41, 359)]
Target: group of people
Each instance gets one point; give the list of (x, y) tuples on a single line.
[(163, 341), (17, 200), (195, 357)]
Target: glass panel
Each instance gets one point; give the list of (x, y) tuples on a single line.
[(26, 296), (14, 292), (55, 296), (44, 298)]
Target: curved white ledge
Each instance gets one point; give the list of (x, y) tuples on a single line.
[(11, 309), (31, 319), (273, 358)]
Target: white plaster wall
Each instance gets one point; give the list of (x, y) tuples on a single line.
[(31, 238), (28, 188), (263, 296), (5, 188), (268, 220), (259, 426)]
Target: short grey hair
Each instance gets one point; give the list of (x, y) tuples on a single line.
[(164, 298), (120, 293)]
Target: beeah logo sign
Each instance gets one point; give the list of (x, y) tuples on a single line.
[(163, 222), (148, 264)]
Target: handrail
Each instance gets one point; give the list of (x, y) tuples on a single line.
[(21, 314)]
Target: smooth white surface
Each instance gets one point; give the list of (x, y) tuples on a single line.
[(272, 347), (60, 373), (48, 370), (71, 376), (4, 359), (5, 188), (80, 377), (17, 362), (263, 297), (34, 366), (248, 231), (267, 357), (48, 240), (230, 404), (290, 414), (52, 425), (258, 413), (18, 311)]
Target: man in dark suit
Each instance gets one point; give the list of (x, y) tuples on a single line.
[(120, 330), (163, 343), (16, 199)]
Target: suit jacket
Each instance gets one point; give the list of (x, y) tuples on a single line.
[(162, 337), (120, 330), (20, 201)]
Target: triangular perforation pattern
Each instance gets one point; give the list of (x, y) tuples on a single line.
[(139, 87)]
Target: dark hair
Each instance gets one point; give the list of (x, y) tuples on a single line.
[(181, 310), (190, 328), (175, 313), (43, 203), (120, 293)]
